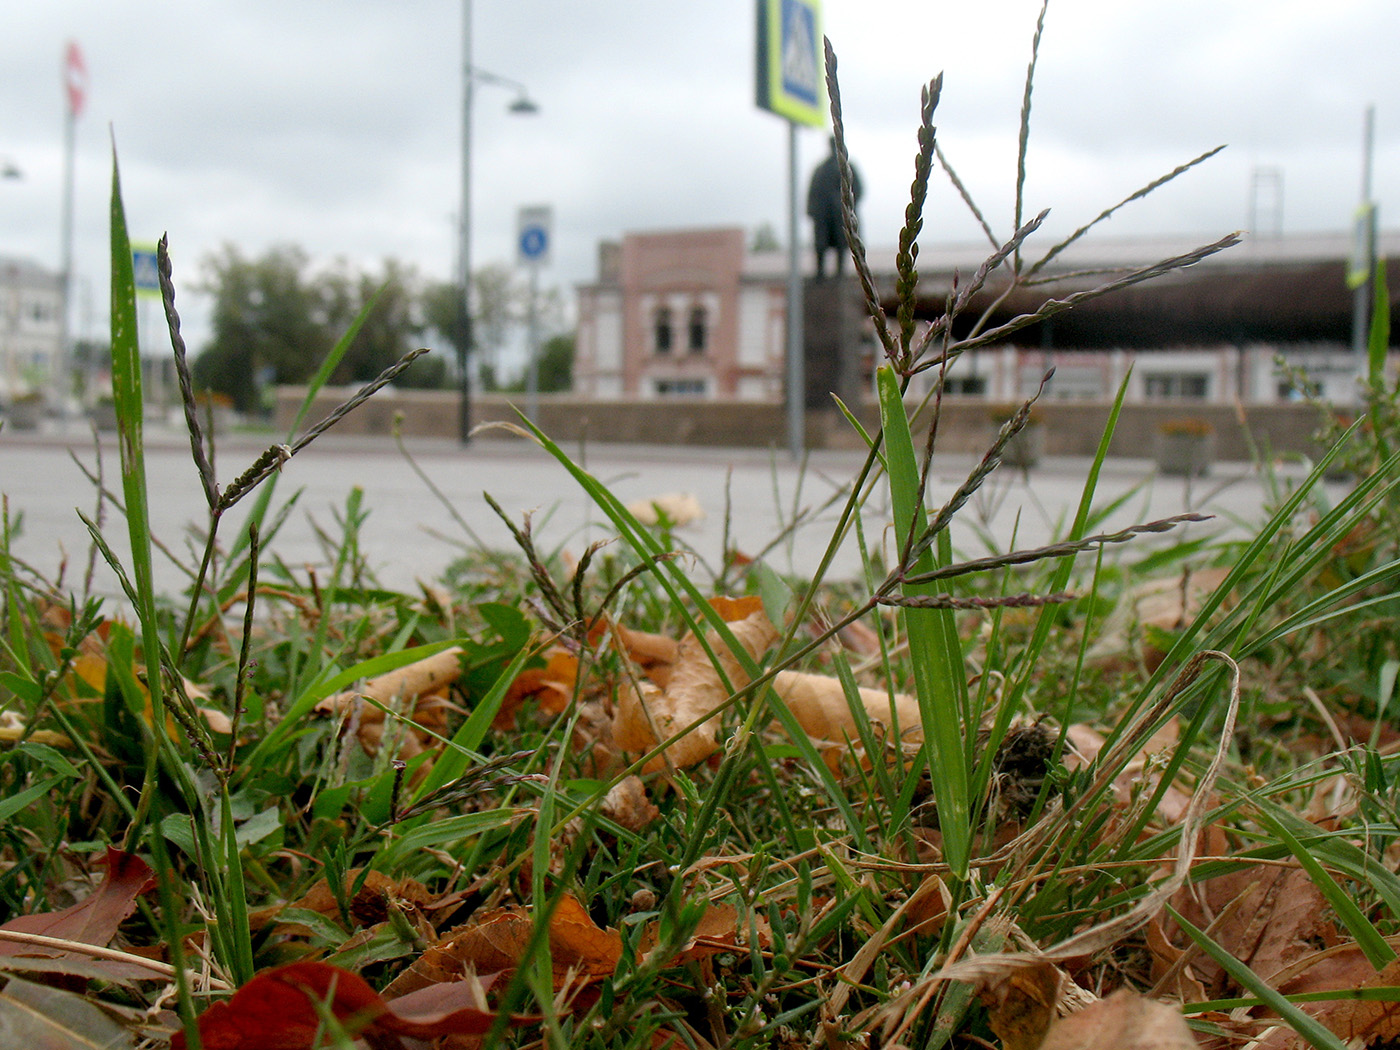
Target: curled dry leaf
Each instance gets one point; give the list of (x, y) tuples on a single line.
[(678, 508), (818, 702), (1123, 1021), (553, 685), (654, 654), (497, 941), (647, 715), (420, 688), (626, 803), (427, 675), (1021, 1003)]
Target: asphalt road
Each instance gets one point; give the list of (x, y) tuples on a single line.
[(409, 534)]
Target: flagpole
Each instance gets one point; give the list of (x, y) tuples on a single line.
[(74, 75)]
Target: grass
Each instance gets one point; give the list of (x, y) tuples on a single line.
[(785, 889)]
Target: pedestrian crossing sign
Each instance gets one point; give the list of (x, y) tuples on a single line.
[(791, 64)]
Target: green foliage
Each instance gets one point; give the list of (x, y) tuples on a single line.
[(810, 855), (275, 320)]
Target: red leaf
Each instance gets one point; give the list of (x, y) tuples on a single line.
[(276, 1010), (91, 921)]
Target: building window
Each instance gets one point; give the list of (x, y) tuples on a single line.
[(968, 386), (680, 387), (1175, 386), (697, 331), (663, 330)]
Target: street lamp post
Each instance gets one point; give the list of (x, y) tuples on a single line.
[(522, 105)]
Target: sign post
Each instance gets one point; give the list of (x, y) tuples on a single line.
[(790, 84), (533, 243)]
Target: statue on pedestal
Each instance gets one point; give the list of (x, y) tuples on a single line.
[(824, 207)]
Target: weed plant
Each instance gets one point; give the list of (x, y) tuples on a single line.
[(775, 898)]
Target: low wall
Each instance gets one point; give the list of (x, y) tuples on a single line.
[(1071, 428)]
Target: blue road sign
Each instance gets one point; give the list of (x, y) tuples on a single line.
[(532, 238)]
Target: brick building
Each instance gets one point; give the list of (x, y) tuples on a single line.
[(692, 313)]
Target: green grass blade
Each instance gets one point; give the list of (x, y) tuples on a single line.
[(939, 677), (1369, 939), (1308, 1027)]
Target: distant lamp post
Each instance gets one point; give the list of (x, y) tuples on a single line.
[(522, 105)]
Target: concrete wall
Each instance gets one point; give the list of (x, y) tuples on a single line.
[(967, 425)]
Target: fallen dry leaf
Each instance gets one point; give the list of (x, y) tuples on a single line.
[(420, 689), (1086, 743), (1123, 1021), (818, 702), (377, 895), (93, 920), (1282, 918), (553, 685), (276, 1010), (497, 941), (1168, 963), (424, 676), (1357, 1022), (647, 715), (626, 803), (654, 654), (1021, 1004), (678, 508), (721, 929)]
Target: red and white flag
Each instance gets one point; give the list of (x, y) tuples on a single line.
[(75, 78)]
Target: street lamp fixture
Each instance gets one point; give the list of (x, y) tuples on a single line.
[(522, 105)]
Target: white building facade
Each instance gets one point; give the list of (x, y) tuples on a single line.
[(31, 304)]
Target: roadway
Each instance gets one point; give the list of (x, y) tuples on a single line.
[(408, 534)]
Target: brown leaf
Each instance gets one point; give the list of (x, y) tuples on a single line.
[(646, 715), (427, 675), (378, 894), (497, 941), (553, 685), (818, 702), (1123, 1021), (1357, 1022), (93, 920), (1021, 1004), (420, 689), (626, 803), (721, 929), (654, 654), (1282, 919), (1167, 961)]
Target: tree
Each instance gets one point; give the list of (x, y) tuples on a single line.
[(556, 365), (765, 239), (393, 328), (500, 300), (269, 323), (275, 321)]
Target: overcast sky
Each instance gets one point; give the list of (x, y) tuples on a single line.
[(335, 124)]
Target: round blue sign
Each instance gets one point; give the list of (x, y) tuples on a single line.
[(534, 241)]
